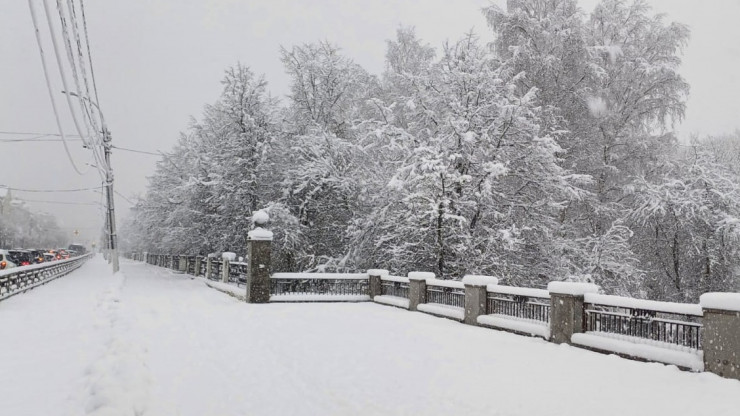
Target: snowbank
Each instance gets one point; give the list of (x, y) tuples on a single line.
[(392, 300), (512, 323), (690, 360), (722, 301), (448, 311), (651, 305)]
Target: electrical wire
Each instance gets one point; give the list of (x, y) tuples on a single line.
[(60, 202), (35, 134), (62, 73), (51, 91), (136, 151), (126, 199), (12, 188)]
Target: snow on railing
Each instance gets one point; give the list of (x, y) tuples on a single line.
[(519, 302), (302, 287), (664, 324), (20, 279), (394, 286), (238, 273), (446, 292)]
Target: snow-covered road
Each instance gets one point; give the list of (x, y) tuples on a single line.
[(151, 342)]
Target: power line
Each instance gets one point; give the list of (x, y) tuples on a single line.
[(126, 199), (36, 134), (48, 87), (136, 151), (49, 190), (60, 202)]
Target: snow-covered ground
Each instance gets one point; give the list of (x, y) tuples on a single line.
[(151, 342)]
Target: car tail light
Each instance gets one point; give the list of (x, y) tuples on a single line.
[(3, 264)]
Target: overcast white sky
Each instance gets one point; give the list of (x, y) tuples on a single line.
[(158, 62)]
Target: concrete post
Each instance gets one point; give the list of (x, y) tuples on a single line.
[(418, 288), (183, 264), (259, 252), (209, 267), (476, 297), (375, 284), (721, 337), (566, 309), (225, 270), (197, 265)]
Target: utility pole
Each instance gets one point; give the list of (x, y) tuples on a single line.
[(111, 214)]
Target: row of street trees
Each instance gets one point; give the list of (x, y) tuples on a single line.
[(547, 155)]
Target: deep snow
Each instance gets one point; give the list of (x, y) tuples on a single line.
[(153, 342)]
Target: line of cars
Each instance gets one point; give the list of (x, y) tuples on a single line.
[(25, 257)]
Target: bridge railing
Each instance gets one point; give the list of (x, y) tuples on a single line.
[(691, 336), (20, 279), (238, 272), (394, 286), (319, 287)]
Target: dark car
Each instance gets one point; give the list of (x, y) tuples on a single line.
[(37, 256), (78, 248), (21, 257)]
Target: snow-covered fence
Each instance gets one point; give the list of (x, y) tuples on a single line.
[(308, 287), (656, 331), (396, 286), (518, 309), (20, 279), (238, 272)]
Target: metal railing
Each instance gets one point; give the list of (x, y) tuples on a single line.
[(391, 288), (535, 308), (19, 279), (672, 328), (191, 265), (215, 268), (319, 284), (443, 295), (238, 273)]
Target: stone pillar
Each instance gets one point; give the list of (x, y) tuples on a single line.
[(225, 270), (259, 251), (476, 297), (566, 309), (197, 265), (375, 282), (721, 337), (209, 267), (183, 264), (418, 288)]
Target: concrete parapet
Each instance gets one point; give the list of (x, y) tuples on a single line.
[(721, 337)]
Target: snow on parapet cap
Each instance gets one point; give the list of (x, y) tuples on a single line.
[(228, 255), (721, 301), (378, 272), (420, 275), (572, 288), (260, 218), (259, 234), (475, 280)]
